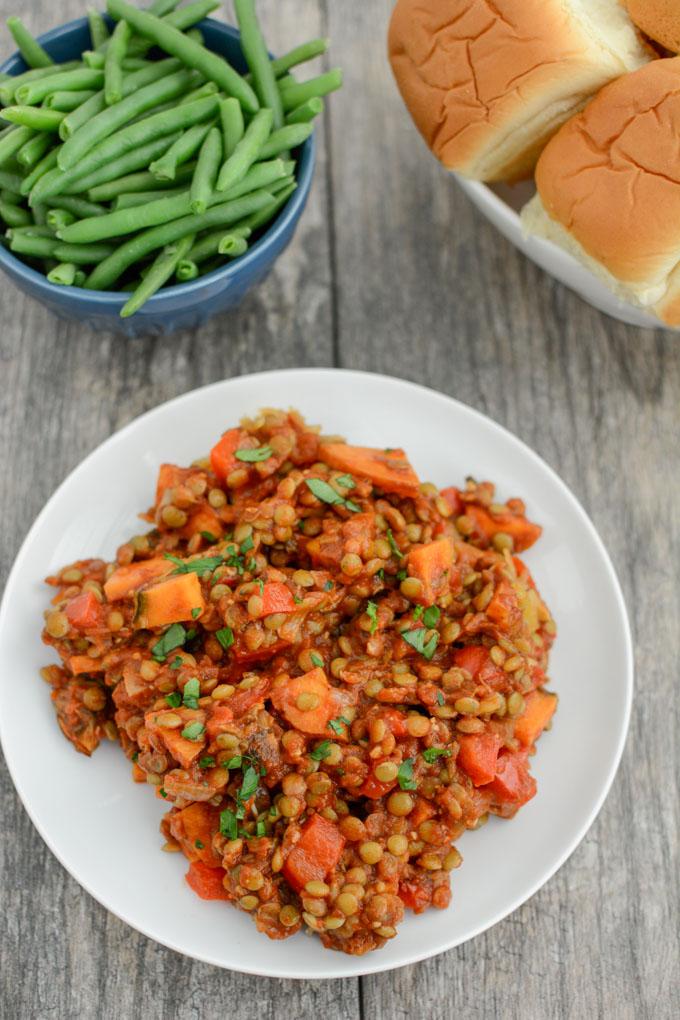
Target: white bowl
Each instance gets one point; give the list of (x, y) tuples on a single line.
[(104, 828), (501, 204)]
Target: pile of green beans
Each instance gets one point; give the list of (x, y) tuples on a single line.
[(151, 160)]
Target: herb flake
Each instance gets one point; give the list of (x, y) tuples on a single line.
[(255, 456), (430, 754), (337, 724), (316, 659), (405, 775), (174, 637), (372, 614), (321, 751), (393, 545), (201, 566), (193, 730), (191, 693), (228, 824), (225, 636), (416, 639), (327, 494)]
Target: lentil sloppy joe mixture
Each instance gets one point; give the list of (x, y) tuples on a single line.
[(327, 669)]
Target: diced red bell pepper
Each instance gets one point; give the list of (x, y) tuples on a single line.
[(277, 598), (452, 497), (206, 881), (85, 611), (395, 722), (415, 896), (316, 853), (478, 755), (372, 787), (513, 783), (475, 659), (242, 701)]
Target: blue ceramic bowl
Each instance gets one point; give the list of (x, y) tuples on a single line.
[(188, 304)]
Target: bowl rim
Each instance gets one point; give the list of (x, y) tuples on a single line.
[(292, 209)]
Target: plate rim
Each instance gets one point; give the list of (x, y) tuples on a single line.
[(373, 964)]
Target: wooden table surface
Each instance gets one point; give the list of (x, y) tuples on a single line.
[(391, 271)]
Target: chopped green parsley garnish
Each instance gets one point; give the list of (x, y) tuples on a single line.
[(405, 775), (431, 617), (337, 724), (417, 612), (327, 494), (195, 613), (416, 639), (440, 698), (393, 545), (247, 544), (174, 700), (163, 793), (372, 614), (430, 754), (176, 662), (328, 586), (174, 637), (346, 481), (316, 659), (200, 566), (199, 845), (260, 828), (193, 730), (228, 824), (254, 456), (225, 636), (321, 751), (401, 575), (209, 537), (206, 762), (192, 692), (235, 762), (248, 786)]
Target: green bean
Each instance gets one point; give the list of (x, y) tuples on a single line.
[(114, 169), (80, 207), (34, 230), (127, 221), (134, 81), (205, 174), (31, 244), (306, 111), (261, 217), (209, 89), (113, 63), (186, 270), (232, 245), (40, 217), (262, 175), (83, 254), (58, 218), (12, 142), (132, 199), (13, 197), (165, 168), (225, 214), (171, 40), (34, 117), (99, 32), (68, 101), (208, 245), (288, 137), (282, 184), (247, 150), (299, 55), (47, 163), (159, 273), (29, 48), (34, 92), (182, 19), (294, 94), (64, 274), (97, 59), (14, 215), (143, 181), (257, 57), (8, 88), (10, 181), (34, 150), (106, 123), (162, 7), (231, 118), (26, 243)]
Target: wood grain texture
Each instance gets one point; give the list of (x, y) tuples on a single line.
[(391, 271)]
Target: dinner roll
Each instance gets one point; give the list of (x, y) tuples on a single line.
[(659, 19), (488, 83), (609, 188)]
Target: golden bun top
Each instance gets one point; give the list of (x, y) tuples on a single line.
[(659, 19), (611, 175)]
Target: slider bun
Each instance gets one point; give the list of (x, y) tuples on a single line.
[(609, 188), (659, 19), (489, 83)]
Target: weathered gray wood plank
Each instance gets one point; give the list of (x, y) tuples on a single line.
[(64, 389), (428, 291)]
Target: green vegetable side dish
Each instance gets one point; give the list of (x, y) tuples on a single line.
[(151, 160)]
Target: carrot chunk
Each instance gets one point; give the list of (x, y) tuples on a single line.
[(478, 755), (194, 827), (513, 783), (306, 701), (203, 521), (222, 459), (170, 601), (127, 580), (206, 881), (169, 477), (504, 609), (79, 664), (540, 707), (431, 564), (84, 611), (389, 470), (183, 749), (523, 532), (316, 853)]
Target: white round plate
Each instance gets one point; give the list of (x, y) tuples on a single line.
[(104, 829)]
